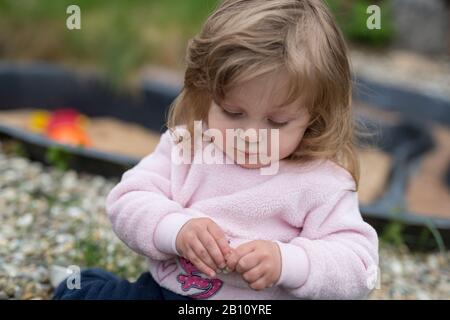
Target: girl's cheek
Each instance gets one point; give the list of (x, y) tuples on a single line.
[(288, 142)]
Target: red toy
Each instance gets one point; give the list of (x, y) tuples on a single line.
[(63, 125)]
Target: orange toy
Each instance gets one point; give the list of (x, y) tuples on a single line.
[(69, 134), (62, 125)]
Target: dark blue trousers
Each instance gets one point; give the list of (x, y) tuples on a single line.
[(97, 284)]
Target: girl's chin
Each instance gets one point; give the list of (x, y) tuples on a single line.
[(245, 161), (250, 166)]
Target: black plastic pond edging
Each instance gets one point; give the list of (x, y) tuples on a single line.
[(46, 86), (50, 87), (419, 106), (447, 176), (406, 143), (418, 111)]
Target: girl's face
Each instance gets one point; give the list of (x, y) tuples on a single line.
[(256, 105)]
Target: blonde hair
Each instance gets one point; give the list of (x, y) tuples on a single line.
[(243, 39)]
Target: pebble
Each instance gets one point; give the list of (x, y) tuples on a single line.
[(25, 220)]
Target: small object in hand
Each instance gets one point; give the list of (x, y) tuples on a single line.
[(226, 270)]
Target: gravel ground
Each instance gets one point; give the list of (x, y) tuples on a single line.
[(53, 217), (428, 75)]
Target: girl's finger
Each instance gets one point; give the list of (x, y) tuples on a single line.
[(220, 238), (202, 253), (199, 264), (260, 284), (248, 262), (245, 248), (232, 260), (253, 274), (213, 249)]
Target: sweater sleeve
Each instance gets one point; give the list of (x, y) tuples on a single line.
[(335, 255), (142, 199)]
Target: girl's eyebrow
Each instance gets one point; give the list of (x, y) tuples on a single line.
[(236, 103), (283, 111)]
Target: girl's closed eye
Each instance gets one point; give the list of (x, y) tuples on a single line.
[(277, 124), (230, 113)]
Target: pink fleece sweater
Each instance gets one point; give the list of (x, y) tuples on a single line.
[(310, 211)]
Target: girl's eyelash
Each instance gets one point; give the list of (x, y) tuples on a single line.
[(278, 124), (231, 114), (238, 114)]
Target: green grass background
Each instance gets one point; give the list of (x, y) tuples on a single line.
[(119, 36)]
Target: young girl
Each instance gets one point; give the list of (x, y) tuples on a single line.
[(224, 230)]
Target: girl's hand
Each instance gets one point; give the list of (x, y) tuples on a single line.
[(258, 261), (204, 243)]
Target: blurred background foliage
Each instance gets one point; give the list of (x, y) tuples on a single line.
[(118, 37), (352, 17)]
